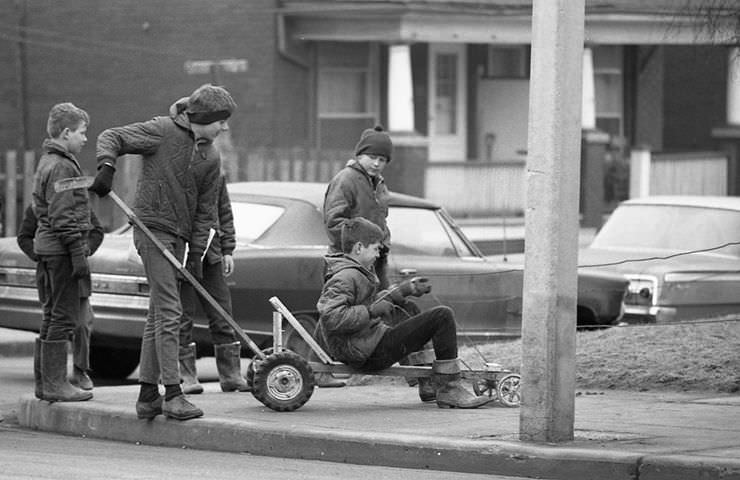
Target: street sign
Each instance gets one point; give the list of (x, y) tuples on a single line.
[(229, 65)]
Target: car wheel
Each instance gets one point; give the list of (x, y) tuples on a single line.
[(507, 390), (283, 381), (293, 340), (113, 362)]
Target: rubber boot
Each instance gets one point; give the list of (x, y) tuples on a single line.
[(38, 389), (80, 379), (56, 387), (450, 390), (228, 365), (188, 371)]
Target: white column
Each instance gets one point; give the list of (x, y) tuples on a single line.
[(400, 90), (588, 112), (733, 87)]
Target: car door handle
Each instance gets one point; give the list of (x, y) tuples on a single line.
[(407, 271)]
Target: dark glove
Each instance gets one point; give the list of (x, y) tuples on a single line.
[(80, 267), (380, 308), (194, 265), (416, 286), (103, 180)]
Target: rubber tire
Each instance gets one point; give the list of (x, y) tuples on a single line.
[(113, 362), (507, 390), (283, 381)]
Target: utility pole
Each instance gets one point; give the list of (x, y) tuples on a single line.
[(547, 412)]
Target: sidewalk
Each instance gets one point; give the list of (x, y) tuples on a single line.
[(618, 435)]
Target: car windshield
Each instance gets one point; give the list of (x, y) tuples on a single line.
[(253, 219), (670, 227), (420, 231)]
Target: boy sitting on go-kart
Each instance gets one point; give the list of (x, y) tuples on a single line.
[(355, 319)]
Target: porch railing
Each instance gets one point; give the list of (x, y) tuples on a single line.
[(684, 173)]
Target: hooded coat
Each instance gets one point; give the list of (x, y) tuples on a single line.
[(354, 193), (345, 327), (177, 191)]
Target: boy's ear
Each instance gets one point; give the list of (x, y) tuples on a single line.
[(65, 133)]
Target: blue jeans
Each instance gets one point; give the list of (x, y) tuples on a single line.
[(215, 283), (159, 343), (436, 324), (60, 297), (83, 321)]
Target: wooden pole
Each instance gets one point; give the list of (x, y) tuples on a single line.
[(29, 167), (551, 222), (11, 184)]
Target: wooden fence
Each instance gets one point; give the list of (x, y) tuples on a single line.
[(463, 188), (684, 173)]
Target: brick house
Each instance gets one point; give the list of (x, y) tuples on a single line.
[(449, 78)]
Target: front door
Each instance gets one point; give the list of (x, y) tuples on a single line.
[(447, 126)]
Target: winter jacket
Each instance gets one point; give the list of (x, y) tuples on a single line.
[(224, 241), (63, 217), (178, 188), (29, 227), (354, 193), (345, 328)]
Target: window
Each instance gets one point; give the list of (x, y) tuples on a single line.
[(347, 92), (507, 62), (608, 90), (253, 219)]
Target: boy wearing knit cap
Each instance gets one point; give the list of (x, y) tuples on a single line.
[(359, 190), (176, 199), (358, 325)]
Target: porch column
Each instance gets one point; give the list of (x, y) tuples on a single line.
[(588, 112), (400, 92), (733, 87), (728, 135)]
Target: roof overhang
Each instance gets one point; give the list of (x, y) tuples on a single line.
[(496, 21)]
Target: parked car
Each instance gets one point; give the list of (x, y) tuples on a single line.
[(681, 255), (281, 243)]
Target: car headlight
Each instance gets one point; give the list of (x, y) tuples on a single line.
[(641, 290)]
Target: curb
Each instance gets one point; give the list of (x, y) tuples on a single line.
[(284, 440)]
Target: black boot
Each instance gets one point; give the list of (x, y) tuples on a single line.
[(56, 387), (228, 364), (188, 371), (450, 390)]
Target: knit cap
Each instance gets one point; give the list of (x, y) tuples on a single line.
[(375, 141)]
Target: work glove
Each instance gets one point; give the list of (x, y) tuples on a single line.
[(416, 286), (103, 180), (380, 308), (194, 265), (80, 267)]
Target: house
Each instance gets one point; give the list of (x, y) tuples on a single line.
[(448, 78)]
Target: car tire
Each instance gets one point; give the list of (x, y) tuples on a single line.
[(113, 362), (283, 381)]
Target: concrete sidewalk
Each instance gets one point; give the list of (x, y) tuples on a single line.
[(618, 435)]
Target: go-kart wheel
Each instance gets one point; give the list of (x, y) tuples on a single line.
[(508, 390), (483, 387), (283, 381)]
